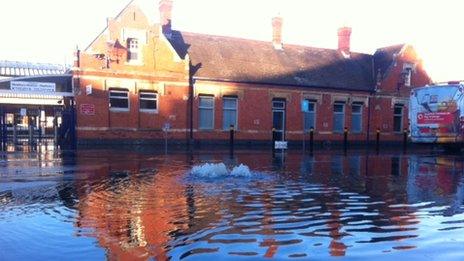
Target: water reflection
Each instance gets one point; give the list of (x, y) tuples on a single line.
[(139, 206)]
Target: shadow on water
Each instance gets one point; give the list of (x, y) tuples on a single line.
[(139, 204)]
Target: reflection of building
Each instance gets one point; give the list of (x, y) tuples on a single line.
[(139, 77), (138, 208)]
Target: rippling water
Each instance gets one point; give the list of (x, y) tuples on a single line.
[(138, 205)]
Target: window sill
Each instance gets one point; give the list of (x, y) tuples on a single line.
[(119, 110), (148, 111)]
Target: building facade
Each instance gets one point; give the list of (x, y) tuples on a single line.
[(140, 81)]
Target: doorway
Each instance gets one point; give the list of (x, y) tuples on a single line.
[(278, 119)]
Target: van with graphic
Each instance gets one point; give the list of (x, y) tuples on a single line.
[(436, 113)]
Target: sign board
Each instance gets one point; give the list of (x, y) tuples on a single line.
[(280, 145), (35, 87), (167, 126), (88, 89), (23, 112), (304, 105), (87, 109), (435, 118)]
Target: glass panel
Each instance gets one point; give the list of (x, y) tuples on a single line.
[(278, 104), (206, 118), (148, 104), (356, 108), (230, 103), (397, 123), (119, 103), (398, 110), (119, 94), (278, 120), (229, 118), (311, 106), (338, 107), (148, 95), (338, 122), (206, 102), (356, 121), (309, 120)]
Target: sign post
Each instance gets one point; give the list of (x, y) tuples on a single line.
[(166, 128)]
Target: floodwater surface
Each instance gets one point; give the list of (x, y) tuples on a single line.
[(136, 205)]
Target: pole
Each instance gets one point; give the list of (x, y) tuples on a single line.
[(231, 140), (345, 139), (405, 139), (377, 140), (311, 139), (273, 140)]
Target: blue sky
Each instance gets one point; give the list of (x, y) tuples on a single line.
[(50, 30)]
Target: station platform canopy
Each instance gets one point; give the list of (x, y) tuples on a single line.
[(34, 83)]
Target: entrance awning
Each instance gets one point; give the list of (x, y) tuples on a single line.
[(11, 97)]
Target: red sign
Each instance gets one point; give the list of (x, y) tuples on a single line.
[(435, 118), (87, 109)]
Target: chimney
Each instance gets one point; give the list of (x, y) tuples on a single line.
[(165, 8), (344, 34), (277, 32)]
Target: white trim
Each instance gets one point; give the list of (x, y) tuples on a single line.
[(118, 109), (156, 99), (212, 109), (228, 109)]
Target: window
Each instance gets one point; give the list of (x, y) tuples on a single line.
[(132, 49), (398, 118), (338, 117), (206, 112), (148, 101), (229, 112), (310, 116), (356, 118), (119, 99)]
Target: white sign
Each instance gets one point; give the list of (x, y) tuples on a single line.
[(88, 89), (282, 145), (37, 87)]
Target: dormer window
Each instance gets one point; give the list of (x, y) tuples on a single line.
[(406, 74), (132, 49)]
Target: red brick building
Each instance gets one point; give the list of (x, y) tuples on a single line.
[(138, 77)]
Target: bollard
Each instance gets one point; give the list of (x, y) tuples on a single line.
[(273, 140), (15, 134), (377, 140), (31, 134), (311, 139), (405, 139), (345, 138), (231, 140)]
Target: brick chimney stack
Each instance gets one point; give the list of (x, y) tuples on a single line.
[(165, 9), (344, 34), (277, 32)]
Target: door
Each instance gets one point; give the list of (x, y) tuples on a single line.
[(278, 119)]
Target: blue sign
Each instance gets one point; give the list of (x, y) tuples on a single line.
[(304, 105)]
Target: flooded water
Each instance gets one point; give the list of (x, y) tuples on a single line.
[(135, 205)]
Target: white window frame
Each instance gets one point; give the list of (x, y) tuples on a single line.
[(118, 90), (133, 46), (230, 109), (398, 115), (156, 99), (205, 108), (314, 103), (336, 113), (360, 113)]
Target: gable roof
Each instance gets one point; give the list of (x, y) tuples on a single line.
[(243, 60)]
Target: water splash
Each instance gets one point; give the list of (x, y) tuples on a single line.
[(216, 170)]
